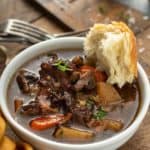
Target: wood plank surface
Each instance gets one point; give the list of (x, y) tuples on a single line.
[(78, 14), (141, 5), (50, 25), (143, 46), (26, 10), (20, 9)]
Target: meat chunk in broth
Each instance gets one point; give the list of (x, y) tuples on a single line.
[(67, 96), (27, 81), (86, 81)]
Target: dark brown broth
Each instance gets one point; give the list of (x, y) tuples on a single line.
[(125, 114)]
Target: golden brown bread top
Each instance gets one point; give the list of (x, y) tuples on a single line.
[(124, 28), (113, 48)]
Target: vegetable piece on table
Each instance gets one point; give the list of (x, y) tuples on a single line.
[(71, 133), (2, 127), (7, 144)]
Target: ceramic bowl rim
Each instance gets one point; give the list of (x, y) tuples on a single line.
[(26, 132)]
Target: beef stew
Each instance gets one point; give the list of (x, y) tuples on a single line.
[(69, 100)]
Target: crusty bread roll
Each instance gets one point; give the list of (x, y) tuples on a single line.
[(113, 47)]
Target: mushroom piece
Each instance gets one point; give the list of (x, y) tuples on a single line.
[(105, 124), (63, 132)]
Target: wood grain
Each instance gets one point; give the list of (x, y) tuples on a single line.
[(43, 22), (20, 9), (141, 5), (50, 25), (80, 14), (29, 12), (143, 46)]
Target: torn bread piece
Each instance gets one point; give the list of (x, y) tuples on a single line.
[(113, 48)]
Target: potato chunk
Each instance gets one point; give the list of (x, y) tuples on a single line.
[(107, 94), (7, 144), (70, 133), (106, 124), (113, 125), (2, 127)]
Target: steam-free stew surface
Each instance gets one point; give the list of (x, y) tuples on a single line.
[(123, 110)]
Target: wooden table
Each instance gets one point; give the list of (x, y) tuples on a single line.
[(29, 11)]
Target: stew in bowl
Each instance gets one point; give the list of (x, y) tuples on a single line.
[(82, 116), (69, 100)]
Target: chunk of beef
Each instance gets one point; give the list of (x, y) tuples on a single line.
[(63, 78), (61, 100), (55, 97), (46, 69), (75, 77), (69, 100), (41, 104), (86, 81), (30, 76), (23, 83), (34, 88), (41, 107), (31, 109), (26, 80), (58, 76), (78, 61), (128, 92), (80, 114), (45, 106), (45, 83)]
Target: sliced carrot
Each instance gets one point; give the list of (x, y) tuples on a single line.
[(99, 75), (45, 122), (86, 68)]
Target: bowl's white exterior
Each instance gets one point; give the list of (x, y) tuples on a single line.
[(44, 144)]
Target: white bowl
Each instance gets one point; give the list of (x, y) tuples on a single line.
[(44, 144)]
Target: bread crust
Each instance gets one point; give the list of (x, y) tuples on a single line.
[(133, 52), (112, 48)]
